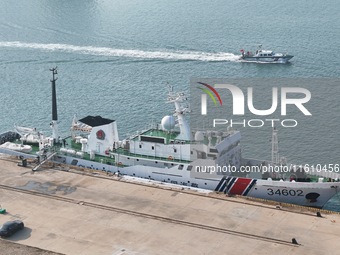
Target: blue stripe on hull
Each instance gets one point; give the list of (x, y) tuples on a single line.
[(231, 182), (253, 182), (220, 184)]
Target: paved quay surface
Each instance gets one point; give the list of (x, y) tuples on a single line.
[(11, 248), (73, 213)]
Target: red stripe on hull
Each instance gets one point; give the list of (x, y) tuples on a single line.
[(239, 186)]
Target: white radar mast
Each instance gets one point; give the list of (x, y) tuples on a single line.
[(177, 99)]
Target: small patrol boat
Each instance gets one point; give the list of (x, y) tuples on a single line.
[(265, 56)]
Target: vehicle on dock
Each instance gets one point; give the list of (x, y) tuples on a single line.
[(11, 227)]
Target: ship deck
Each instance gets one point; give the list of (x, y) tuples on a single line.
[(127, 153), (109, 159), (169, 136)]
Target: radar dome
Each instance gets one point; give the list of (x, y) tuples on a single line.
[(168, 122), (199, 136)]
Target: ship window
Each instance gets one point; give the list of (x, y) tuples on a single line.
[(265, 55), (214, 150), (261, 55), (189, 167), (137, 159), (152, 139), (74, 162), (156, 162), (152, 147), (191, 152), (140, 146), (175, 150), (180, 167)]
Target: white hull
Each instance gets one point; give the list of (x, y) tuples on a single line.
[(300, 193), (16, 147), (279, 60), (265, 56), (180, 156)]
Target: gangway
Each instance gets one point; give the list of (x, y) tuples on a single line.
[(44, 161)]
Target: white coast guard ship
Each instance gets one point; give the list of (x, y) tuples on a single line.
[(169, 152), (265, 56)]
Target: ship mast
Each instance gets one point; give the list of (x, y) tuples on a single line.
[(54, 124), (178, 98)]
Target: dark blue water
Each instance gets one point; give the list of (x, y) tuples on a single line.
[(115, 59)]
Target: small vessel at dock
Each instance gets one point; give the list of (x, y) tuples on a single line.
[(16, 147)]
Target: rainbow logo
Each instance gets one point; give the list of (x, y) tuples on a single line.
[(209, 90)]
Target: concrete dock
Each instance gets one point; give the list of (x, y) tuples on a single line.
[(73, 213)]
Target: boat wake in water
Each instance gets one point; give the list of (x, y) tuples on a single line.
[(112, 52)]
